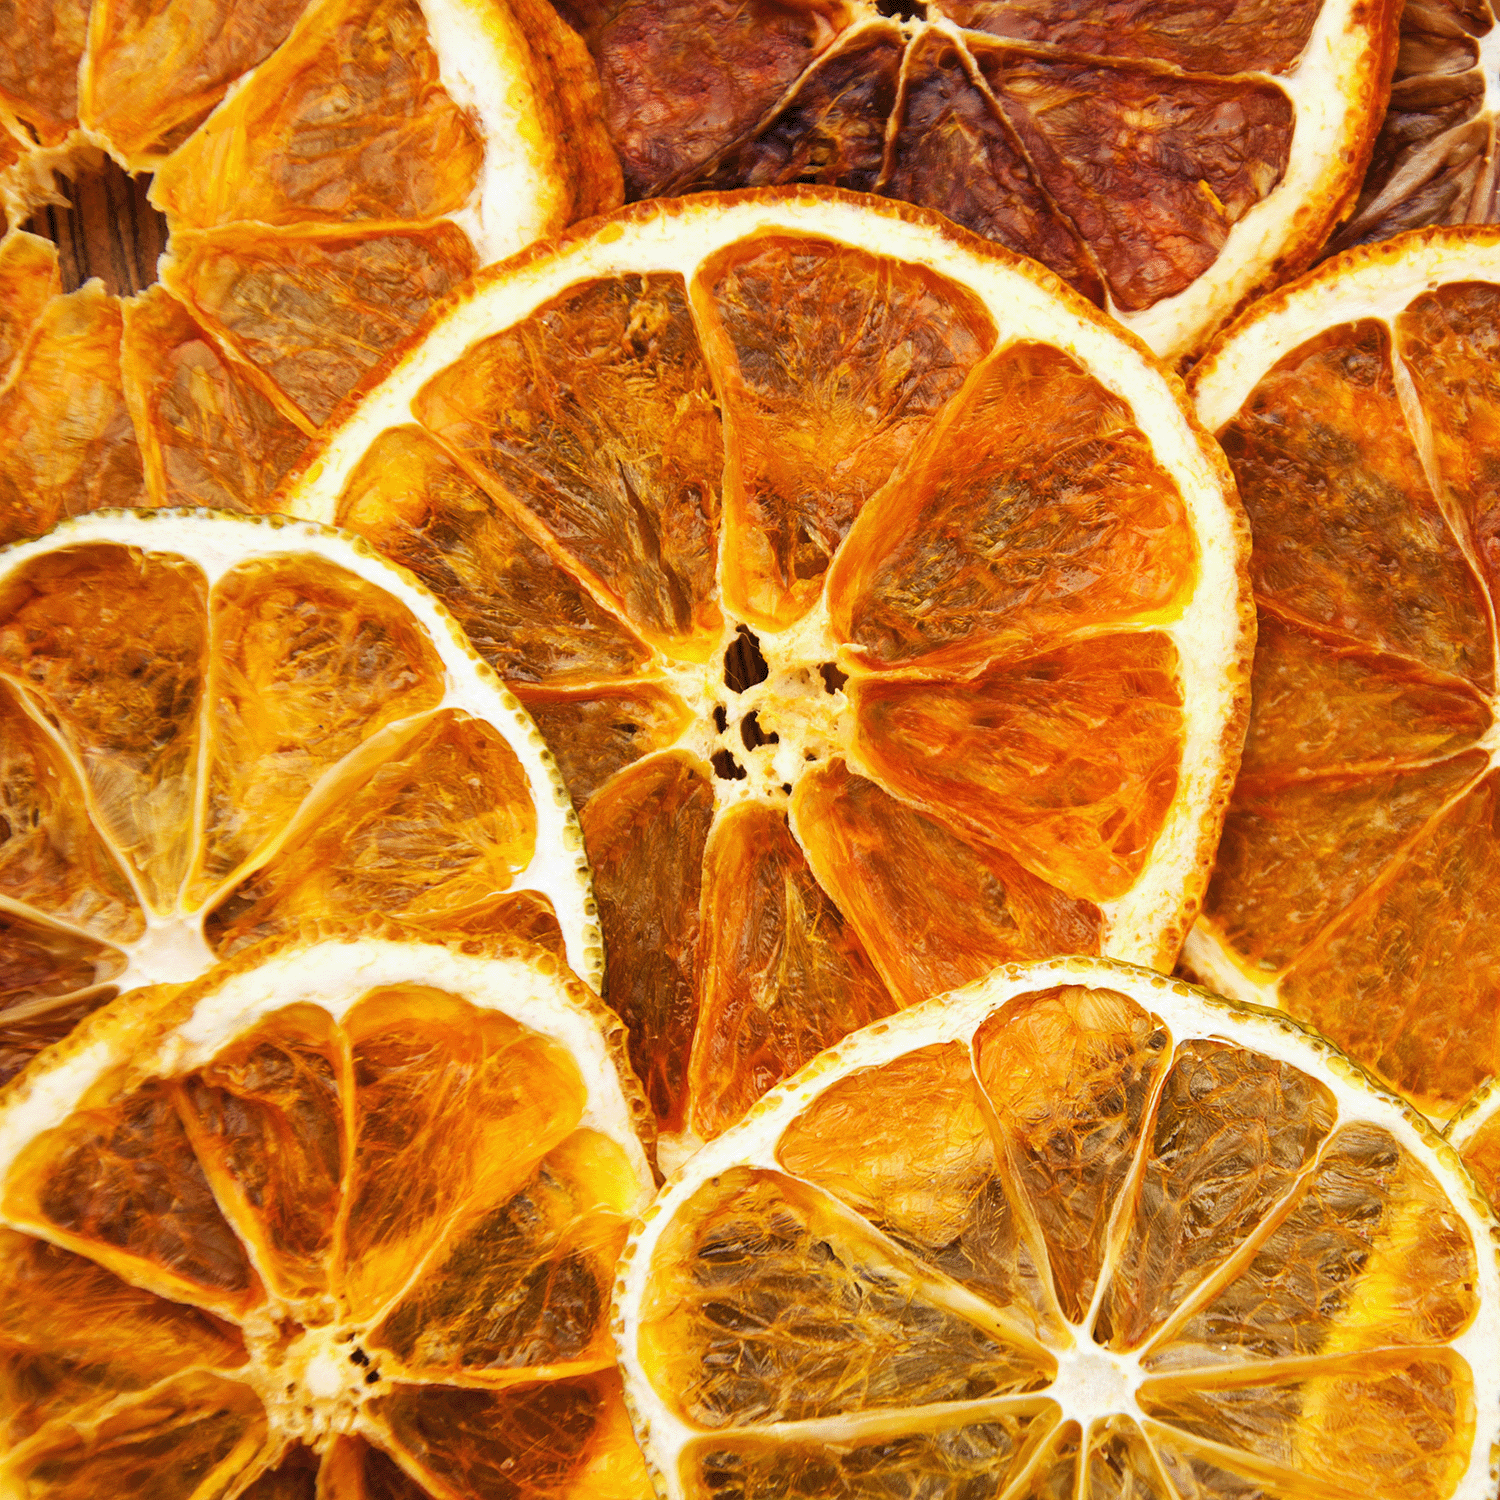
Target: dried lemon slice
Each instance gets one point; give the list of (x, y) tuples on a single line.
[(214, 729), (882, 604), (1077, 1230), (340, 1219)]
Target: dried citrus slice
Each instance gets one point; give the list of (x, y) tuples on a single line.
[(1075, 1231), (214, 729), (1168, 159), (1358, 879), (881, 602), (328, 170), (338, 1219)]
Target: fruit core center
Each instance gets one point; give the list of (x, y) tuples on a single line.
[(315, 1380), (106, 227), (1093, 1382), (168, 952)]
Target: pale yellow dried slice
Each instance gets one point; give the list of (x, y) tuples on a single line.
[(1076, 1231)]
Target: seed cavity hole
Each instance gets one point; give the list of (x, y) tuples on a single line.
[(727, 767), (833, 679), (744, 665), (106, 228)]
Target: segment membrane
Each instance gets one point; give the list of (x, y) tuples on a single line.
[(1481, 1154), (1121, 1465), (770, 1304), (295, 1477), (1067, 762), (595, 420), (1058, 518), (354, 1469), (110, 643), (832, 362), (24, 1031), (594, 735), (782, 974), (1069, 1075)]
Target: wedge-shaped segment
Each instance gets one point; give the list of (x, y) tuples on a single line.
[(1260, 1274)]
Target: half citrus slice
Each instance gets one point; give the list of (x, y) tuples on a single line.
[(1358, 881), (338, 1220), (214, 729), (1075, 1231), (882, 602)]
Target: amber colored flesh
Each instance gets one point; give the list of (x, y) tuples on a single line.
[(456, 1217), (1358, 869), (945, 1230)]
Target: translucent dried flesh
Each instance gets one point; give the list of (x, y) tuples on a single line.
[(28, 281), (1291, 1277), (535, 1206), (39, 68)]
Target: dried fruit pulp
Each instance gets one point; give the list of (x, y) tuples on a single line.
[(1168, 160), (215, 729), (882, 607), (340, 1220), (328, 172), (1075, 1231), (1359, 873)]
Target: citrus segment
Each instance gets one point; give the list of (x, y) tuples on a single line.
[(39, 72), (1476, 1134), (896, 419), (295, 1477), (44, 963), (29, 280), (1292, 1275)]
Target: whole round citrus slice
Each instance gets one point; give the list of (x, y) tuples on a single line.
[(327, 170), (1358, 880), (1076, 1231), (1169, 159), (214, 729), (883, 605), (339, 1219)]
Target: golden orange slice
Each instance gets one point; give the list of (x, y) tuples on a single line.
[(1359, 870), (880, 600), (1074, 1232), (338, 1220), (215, 729)]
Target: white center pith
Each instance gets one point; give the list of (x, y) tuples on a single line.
[(1093, 1383), (172, 950), (313, 1381)]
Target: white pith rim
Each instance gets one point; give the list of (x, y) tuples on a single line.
[(217, 544), (1189, 1014), (1025, 303)]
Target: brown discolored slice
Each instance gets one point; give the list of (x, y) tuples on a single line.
[(857, 1140), (682, 77), (1296, 853), (1067, 762), (1232, 1133), (278, 150), (594, 735), (155, 71), (1432, 919), (595, 419), (1348, 535), (933, 910), (953, 150), (66, 440), (25, 1029), (194, 1431), (832, 363), (1392, 1424), (434, 1143), (528, 1285), (72, 1336), (645, 834), (1071, 1075), (829, 127), (66, 620), (974, 1457), (769, 1303), (1059, 517), (1318, 704), (1370, 1254), (531, 620), (314, 311), (432, 836), (781, 973), (208, 434), (119, 1182), (51, 859), (266, 1121), (310, 661), (29, 279), (39, 64)]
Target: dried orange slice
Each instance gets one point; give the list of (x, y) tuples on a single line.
[(1075, 1231), (1358, 879), (214, 729), (327, 170), (879, 598), (339, 1220), (1168, 159)]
